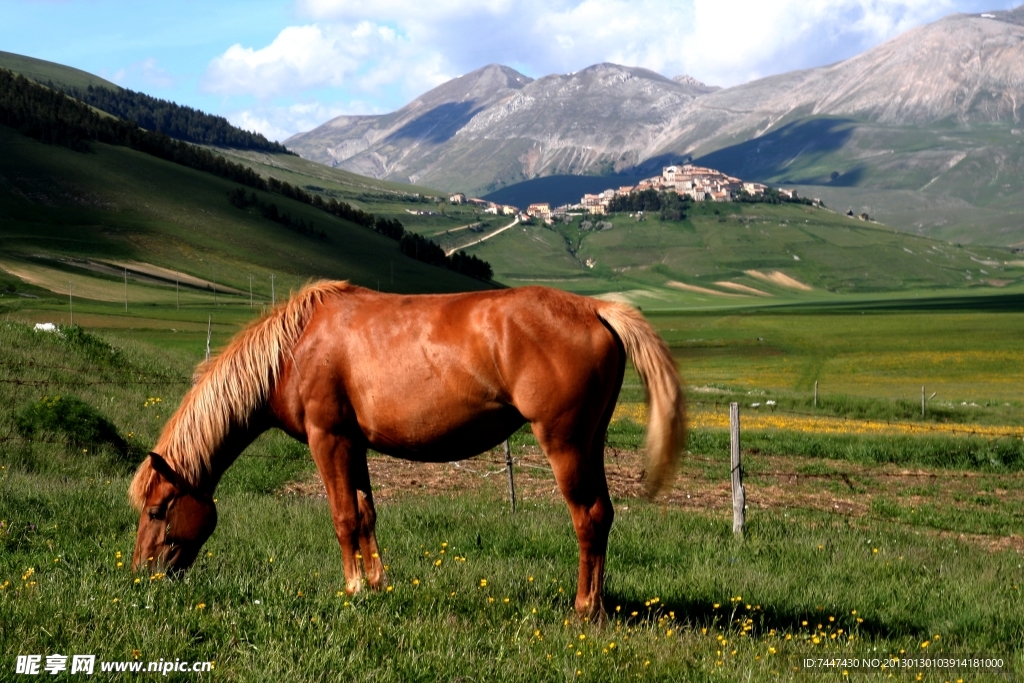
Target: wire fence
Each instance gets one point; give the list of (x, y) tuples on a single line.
[(719, 409)]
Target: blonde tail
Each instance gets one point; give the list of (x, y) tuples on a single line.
[(666, 428)]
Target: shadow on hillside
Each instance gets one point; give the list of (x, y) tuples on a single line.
[(779, 153), (559, 189), (1010, 302), (438, 125)]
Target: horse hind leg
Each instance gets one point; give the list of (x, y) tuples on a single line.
[(368, 548), (581, 478)]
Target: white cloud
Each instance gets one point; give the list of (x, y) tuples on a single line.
[(312, 56), (142, 75), (721, 41), (392, 50), (281, 122)]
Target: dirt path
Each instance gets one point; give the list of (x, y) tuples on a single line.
[(485, 237), (450, 230), (702, 485)]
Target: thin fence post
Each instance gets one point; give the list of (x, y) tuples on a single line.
[(511, 480), (739, 499), (125, 290), (815, 393), (209, 326), (922, 401), (71, 304)]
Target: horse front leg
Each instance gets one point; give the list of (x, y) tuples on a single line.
[(340, 463)]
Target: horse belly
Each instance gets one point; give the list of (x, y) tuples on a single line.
[(443, 435)]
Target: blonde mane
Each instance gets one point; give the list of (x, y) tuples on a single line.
[(229, 389)]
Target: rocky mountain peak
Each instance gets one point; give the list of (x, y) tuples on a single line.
[(693, 86)]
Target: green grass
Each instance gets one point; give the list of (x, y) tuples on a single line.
[(65, 516), (271, 610), (966, 357)]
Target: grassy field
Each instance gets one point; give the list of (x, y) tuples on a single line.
[(857, 543)]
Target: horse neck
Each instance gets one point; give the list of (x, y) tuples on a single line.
[(201, 443), (237, 440)]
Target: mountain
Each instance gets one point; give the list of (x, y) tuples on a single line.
[(375, 145), (498, 127), (935, 112)]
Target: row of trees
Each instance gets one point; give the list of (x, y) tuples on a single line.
[(428, 251), (49, 116), (772, 196), (239, 198), (672, 206), (173, 120)]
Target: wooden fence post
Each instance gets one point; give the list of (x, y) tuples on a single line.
[(511, 481), (922, 402), (209, 328), (739, 499), (815, 393)]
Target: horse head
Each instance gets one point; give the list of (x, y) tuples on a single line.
[(175, 523)]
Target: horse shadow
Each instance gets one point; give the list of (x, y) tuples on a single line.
[(763, 619)]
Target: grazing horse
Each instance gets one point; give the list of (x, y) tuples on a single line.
[(431, 378)]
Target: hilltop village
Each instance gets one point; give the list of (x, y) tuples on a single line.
[(696, 182)]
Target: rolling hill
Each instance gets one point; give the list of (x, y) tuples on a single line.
[(106, 202), (42, 71), (727, 255), (60, 208)]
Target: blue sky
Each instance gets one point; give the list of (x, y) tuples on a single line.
[(281, 67)]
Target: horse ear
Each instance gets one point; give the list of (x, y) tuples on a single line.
[(160, 465)]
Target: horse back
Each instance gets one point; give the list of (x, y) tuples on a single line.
[(443, 377)]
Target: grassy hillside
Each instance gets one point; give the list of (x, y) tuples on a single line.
[(62, 212), (380, 197), (729, 254), (43, 71)]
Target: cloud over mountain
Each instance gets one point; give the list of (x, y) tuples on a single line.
[(394, 50)]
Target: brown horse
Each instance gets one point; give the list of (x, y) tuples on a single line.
[(431, 378)]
